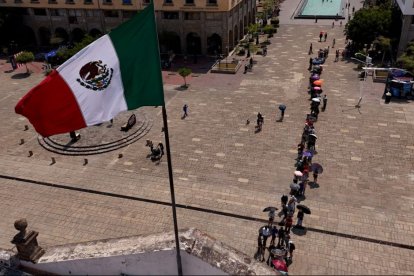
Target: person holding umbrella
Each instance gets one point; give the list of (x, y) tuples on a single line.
[(301, 214), (271, 214), (282, 109)]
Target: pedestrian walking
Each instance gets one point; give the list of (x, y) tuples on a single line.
[(251, 62), (340, 23), (320, 36), (310, 49), (336, 55), (333, 43), (325, 36), (333, 24), (324, 102), (185, 110), (282, 108)]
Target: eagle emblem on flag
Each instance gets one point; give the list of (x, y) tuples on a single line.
[(95, 75)]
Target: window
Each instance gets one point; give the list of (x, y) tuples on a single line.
[(170, 15), (211, 2), (89, 13), (54, 12), (107, 2), (189, 2), (40, 12), (213, 15), (146, 2), (110, 13), (34, 1), (128, 14), (168, 2), (412, 19), (70, 2), (73, 20), (126, 2), (192, 16), (18, 1), (87, 2), (52, 2)]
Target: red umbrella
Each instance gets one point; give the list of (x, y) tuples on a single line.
[(280, 265)]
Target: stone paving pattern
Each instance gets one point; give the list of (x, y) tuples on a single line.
[(221, 164)]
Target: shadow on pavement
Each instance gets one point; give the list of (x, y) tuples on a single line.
[(20, 76)]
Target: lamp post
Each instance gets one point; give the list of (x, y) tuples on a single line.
[(227, 48)]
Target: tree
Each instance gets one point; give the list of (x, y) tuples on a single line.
[(184, 72), (383, 44), (407, 58), (64, 53), (367, 24), (24, 58)]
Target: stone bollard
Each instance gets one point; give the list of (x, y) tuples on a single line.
[(26, 242)]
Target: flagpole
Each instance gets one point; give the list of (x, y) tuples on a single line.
[(170, 176), (170, 172)]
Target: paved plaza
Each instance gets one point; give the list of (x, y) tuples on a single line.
[(362, 218)]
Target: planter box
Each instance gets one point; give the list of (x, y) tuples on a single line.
[(380, 75)]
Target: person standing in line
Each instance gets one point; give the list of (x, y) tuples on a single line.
[(288, 223), (185, 110), (325, 100), (300, 217), (315, 177), (325, 36), (281, 237), (291, 248)]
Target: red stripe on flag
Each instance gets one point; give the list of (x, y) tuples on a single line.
[(51, 107)]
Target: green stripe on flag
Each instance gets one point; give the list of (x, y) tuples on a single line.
[(136, 45)]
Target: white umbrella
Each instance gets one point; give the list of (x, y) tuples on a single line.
[(298, 173), (316, 100)]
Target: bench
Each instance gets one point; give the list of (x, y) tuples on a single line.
[(131, 122)]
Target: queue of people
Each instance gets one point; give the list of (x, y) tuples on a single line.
[(281, 246)]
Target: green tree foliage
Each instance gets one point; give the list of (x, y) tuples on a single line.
[(184, 72), (407, 58), (383, 44), (64, 53), (24, 58), (367, 24), (269, 29)]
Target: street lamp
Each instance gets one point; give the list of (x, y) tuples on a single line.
[(227, 48)]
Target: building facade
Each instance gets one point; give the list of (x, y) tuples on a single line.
[(207, 27), (407, 28)]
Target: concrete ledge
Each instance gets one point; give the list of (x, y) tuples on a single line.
[(148, 254)]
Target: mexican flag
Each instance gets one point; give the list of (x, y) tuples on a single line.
[(119, 71)]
